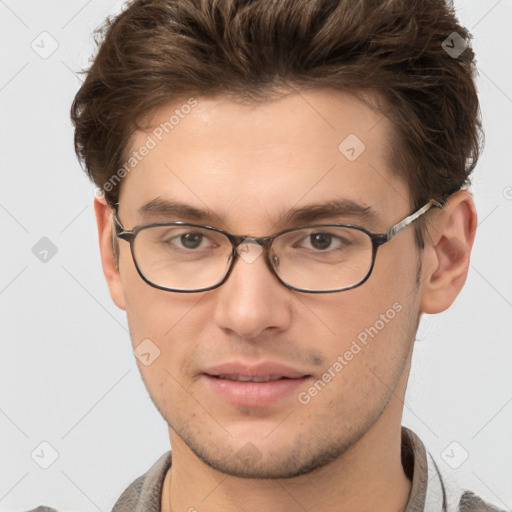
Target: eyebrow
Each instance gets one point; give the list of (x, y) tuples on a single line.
[(168, 208), (332, 209), (329, 210)]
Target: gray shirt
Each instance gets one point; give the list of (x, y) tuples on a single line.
[(430, 491)]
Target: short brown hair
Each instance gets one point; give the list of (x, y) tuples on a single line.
[(157, 51)]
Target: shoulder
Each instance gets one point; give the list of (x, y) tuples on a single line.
[(144, 493), (470, 502), (130, 496), (433, 490), (42, 509)]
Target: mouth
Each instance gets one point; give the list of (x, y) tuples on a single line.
[(254, 386), (246, 378)]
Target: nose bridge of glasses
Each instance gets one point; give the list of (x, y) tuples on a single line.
[(249, 248)]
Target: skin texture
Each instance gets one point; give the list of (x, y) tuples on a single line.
[(249, 165)]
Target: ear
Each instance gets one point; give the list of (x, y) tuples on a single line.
[(448, 245), (104, 222)]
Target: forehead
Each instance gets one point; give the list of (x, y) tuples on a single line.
[(246, 160)]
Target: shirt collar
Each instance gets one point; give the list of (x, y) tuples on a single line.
[(429, 490)]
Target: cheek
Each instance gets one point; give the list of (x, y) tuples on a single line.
[(339, 318), (160, 316), (367, 330), (365, 357), (164, 329)]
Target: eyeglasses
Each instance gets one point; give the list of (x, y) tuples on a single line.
[(323, 258)]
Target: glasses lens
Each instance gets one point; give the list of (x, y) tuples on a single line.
[(182, 257), (323, 258), (188, 258)]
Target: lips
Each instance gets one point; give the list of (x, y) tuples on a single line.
[(264, 370), (254, 385), (245, 378)]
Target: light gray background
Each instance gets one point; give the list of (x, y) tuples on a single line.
[(67, 371)]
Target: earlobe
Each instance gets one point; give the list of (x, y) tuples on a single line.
[(447, 251), (103, 214)]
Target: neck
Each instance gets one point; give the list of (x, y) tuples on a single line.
[(369, 476)]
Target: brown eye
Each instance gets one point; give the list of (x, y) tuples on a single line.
[(191, 240), (320, 241)]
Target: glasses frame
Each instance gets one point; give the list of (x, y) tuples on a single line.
[(265, 242)]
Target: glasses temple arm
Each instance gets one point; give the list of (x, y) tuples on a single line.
[(393, 230)]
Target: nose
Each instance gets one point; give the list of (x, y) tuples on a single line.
[(252, 300)]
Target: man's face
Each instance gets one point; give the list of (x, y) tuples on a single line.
[(249, 166)]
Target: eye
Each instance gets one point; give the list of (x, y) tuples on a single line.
[(173, 239), (191, 240), (322, 241)]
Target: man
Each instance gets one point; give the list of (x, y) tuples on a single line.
[(282, 195)]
